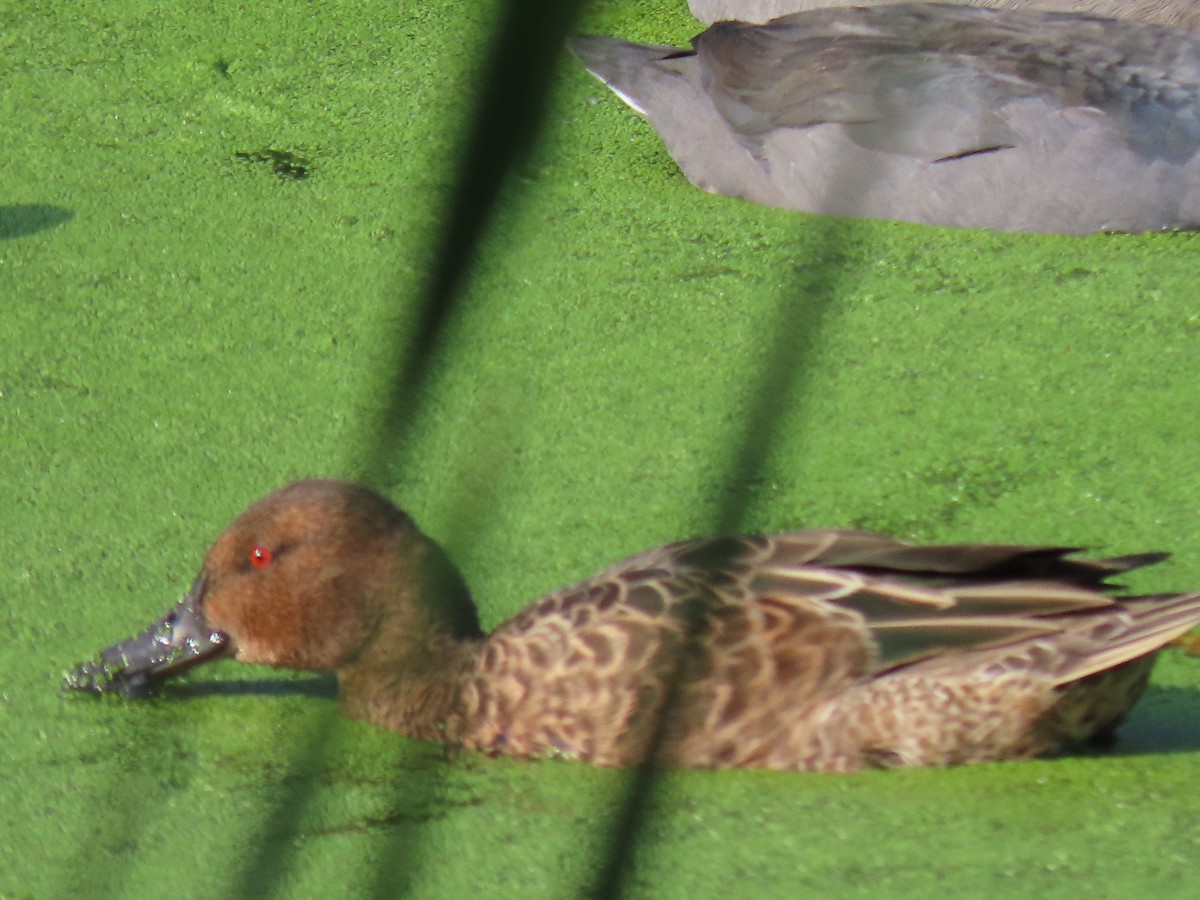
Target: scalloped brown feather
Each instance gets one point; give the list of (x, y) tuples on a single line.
[(823, 650)]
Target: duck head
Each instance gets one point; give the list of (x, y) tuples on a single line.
[(322, 576)]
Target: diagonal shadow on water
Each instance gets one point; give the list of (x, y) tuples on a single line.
[(516, 84), (824, 271), (518, 78), (778, 386), (517, 81)]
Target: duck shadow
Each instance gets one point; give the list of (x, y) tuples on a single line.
[(21, 219), (322, 688), (1166, 720)]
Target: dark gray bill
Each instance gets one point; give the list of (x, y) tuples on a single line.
[(173, 644)]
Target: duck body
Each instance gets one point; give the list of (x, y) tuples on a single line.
[(813, 650), (1171, 13), (1014, 120)]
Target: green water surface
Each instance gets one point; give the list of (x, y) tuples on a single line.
[(214, 220)]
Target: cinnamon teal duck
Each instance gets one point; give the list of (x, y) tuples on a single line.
[(1172, 13), (1015, 120), (823, 650)]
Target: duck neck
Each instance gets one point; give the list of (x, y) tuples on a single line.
[(425, 640), (420, 699)]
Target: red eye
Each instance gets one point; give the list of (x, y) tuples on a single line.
[(260, 557)]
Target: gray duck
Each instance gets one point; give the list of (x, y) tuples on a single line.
[(1015, 120), (1172, 13)]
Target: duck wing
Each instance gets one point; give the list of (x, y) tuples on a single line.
[(1172, 13), (882, 601), (746, 639), (934, 81)]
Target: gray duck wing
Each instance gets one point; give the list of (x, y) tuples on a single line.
[(936, 82), (1171, 13)]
